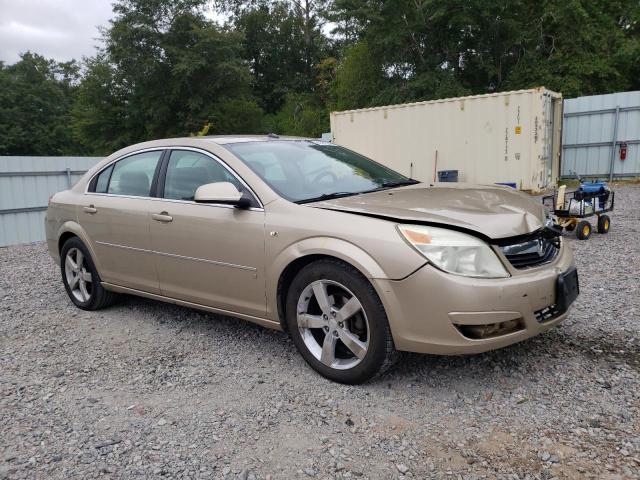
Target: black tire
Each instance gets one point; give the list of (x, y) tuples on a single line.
[(604, 222), (570, 227), (583, 230), (98, 296), (380, 352)]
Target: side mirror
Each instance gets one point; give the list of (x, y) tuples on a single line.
[(221, 192)]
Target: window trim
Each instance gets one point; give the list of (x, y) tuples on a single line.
[(161, 170), (154, 177), (155, 184), (162, 177), (92, 182)]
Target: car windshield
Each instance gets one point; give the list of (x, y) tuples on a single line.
[(305, 171)]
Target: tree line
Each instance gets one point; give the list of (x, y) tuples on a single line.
[(164, 69)]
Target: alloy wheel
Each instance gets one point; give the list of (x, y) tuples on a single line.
[(78, 276), (333, 324)]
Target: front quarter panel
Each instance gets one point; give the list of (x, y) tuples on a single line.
[(371, 245)]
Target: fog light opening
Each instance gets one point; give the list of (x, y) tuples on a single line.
[(490, 330)]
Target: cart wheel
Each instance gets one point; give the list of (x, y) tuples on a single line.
[(570, 227), (604, 222), (583, 230)]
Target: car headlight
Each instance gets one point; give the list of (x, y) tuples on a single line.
[(454, 252)]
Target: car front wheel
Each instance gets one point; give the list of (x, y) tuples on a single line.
[(338, 323)]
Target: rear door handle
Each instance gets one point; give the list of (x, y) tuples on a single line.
[(162, 217), (90, 209)]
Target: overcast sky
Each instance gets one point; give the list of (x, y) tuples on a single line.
[(58, 29)]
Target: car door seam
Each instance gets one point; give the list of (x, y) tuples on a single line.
[(184, 257)]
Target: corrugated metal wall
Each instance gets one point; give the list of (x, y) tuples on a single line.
[(26, 183), (594, 128)]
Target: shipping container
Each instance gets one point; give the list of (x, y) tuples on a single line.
[(508, 137)]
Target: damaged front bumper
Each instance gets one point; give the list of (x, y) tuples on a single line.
[(435, 312)]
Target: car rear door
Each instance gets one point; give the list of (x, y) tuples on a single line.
[(116, 217), (209, 254)]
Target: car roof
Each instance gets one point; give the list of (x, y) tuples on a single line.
[(205, 142), (225, 139)]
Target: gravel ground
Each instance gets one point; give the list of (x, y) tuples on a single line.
[(145, 389)]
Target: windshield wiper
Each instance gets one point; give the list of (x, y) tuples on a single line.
[(399, 183), (387, 185), (383, 186), (327, 196)]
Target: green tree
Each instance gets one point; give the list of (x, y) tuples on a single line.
[(302, 115), (358, 80), (283, 44), (101, 113), (274, 47), (165, 71), (435, 48), (578, 47), (35, 101)]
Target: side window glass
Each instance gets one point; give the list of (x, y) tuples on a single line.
[(188, 170), (102, 182), (133, 175)]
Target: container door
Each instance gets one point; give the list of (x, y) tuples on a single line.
[(549, 116)]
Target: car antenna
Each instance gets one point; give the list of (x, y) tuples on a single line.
[(273, 135)]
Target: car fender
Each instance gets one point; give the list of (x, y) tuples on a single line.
[(327, 246)]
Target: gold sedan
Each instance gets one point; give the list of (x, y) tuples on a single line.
[(354, 260)]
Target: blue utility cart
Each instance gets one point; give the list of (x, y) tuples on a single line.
[(572, 208)]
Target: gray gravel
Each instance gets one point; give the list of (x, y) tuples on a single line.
[(146, 389)]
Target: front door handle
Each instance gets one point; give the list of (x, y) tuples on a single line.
[(163, 217), (90, 209)]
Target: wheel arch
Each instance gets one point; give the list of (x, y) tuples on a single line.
[(296, 257), (63, 239), (72, 229)]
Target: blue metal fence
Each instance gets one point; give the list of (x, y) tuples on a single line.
[(26, 183), (595, 129)]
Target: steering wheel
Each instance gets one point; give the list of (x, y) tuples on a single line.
[(326, 173)]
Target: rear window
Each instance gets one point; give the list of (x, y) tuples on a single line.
[(133, 175)]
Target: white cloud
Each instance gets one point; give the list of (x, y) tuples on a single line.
[(58, 29)]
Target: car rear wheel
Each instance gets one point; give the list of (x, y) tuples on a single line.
[(338, 323), (80, 277)]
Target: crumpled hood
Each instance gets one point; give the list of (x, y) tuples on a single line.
[(496, 212)]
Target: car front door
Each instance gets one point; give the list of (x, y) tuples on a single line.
[(207, 254), (115, 215)]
